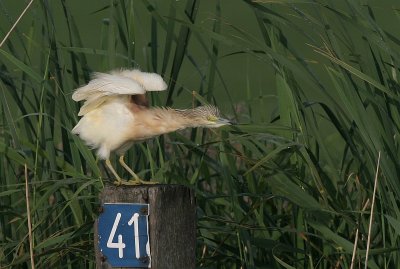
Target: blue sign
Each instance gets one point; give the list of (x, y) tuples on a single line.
[(124, 235)]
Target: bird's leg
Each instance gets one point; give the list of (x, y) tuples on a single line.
[(117, 177), (127, 168), (136, 179)]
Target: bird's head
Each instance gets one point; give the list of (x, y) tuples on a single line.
[(207, 116)]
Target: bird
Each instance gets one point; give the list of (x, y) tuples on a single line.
[(116, 114)]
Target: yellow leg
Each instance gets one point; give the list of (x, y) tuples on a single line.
[(117, 177), (124, 165), (136, 179)]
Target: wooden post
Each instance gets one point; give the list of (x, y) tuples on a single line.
[(172, 222)]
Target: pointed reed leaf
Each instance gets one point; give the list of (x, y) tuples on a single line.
[(22, 66), (284, 187)]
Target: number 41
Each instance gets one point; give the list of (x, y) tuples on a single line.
[(120, 245)]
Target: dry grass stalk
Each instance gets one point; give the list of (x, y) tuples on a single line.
[(28, 213), (372, 211), (354, 250), (16, 22)]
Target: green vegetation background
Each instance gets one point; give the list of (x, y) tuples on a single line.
[(313, 84)]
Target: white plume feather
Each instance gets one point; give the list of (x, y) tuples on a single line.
[(121, 82), (149, 81)]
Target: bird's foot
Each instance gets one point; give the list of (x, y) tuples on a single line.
[(133, 182)]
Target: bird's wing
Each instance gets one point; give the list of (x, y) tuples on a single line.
[(107, 84), (123, 82), (149, 81)]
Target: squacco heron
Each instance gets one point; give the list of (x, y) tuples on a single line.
[(116, 114)]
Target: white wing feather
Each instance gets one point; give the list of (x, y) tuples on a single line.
[(149, 81), (122, 82), (107, 84)]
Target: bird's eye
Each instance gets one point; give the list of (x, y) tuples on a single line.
[(211, 118)]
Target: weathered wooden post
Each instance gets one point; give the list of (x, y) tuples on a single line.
[(171, 226)]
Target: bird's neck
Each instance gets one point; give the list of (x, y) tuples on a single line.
[(158, 121), (175, 119)]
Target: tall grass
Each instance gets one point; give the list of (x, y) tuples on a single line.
[(313, 84)]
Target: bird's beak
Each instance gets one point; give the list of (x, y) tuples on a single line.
[(222, 121)]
